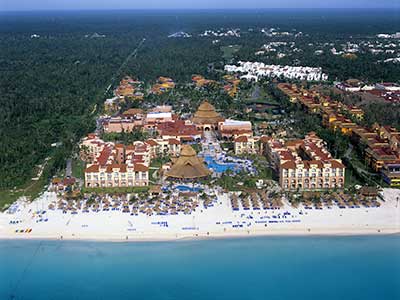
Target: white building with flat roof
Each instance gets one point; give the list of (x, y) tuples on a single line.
[(257, 70)]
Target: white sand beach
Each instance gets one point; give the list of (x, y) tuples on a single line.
[(214, 222)]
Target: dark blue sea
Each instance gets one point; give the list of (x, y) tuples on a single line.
[(296, 268)]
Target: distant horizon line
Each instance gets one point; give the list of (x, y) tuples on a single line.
[(195, 9)]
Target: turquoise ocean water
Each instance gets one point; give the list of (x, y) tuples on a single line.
[(295, 268)]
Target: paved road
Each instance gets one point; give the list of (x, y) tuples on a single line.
[(210, 138), (256, 93), (131, 55), (348, 152), (99, 121), (68, 170), (359, 170), (99, 125)]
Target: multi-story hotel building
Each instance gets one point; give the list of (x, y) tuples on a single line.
[(305, 164), (91, 147), (117, 175), (382, 150), (117, 165), (233, 128), (382, 143), (179, 129), (311, 175), (334, 114), (161, 146), (246, 144)]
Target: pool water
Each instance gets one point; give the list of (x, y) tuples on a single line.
[(218, 167), (185, 188)]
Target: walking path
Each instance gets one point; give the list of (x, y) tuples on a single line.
[(210, 146)]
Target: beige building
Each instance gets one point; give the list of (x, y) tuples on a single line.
[(122, 123), (135, 118), (91, 148), (246, 144), (115, 165), (206, 118), (309, 175), (233, 128), (160, 146), (117, 175), (155, 118), (305, 164), (118, 165)]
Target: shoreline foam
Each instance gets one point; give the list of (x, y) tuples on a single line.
[(333, 232)]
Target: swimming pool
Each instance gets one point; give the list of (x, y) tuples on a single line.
[(218, 167), (185, 188)]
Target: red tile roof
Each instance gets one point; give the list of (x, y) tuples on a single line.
[(241, 139), (92, 169), (174, 142), (140, 168), (337, 164), (289, 165), (177, 128), (104, 155), (264, 139), (152, 142)]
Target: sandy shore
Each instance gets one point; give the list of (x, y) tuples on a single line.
[(211, 236), (219, 221)]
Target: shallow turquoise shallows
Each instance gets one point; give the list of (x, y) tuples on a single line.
[(293, 268)]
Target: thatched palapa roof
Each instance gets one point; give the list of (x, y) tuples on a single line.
[(206, 114), (188, 165)]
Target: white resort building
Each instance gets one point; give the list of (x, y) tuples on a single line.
[(256, 70)]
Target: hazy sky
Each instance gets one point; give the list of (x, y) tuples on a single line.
[(173, 4)]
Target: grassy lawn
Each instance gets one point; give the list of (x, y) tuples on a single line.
[(31, 190), (358, 161), (351, 179), (229, 51), (116, 190), (262, 100), (227, 145), (264, 172), (78, 168), (152, 171), (229, 182), (7, 197), (196, 147)]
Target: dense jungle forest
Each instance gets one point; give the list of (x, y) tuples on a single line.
[(55, 67)]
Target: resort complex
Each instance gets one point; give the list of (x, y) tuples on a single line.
[(164, 162), (256, 70), (181, 150), (380, 144), (161, 172)]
